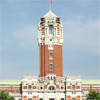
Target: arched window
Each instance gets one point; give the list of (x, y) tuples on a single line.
[(52, 88), (51, 29), (48, 77), (54, 78), (51, 77)]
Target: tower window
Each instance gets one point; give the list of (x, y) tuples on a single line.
[(29, 87), (51, 55), (50, 39), (51, 77), (58, 20), (73, 87), (48, 77), (42, 20), (54, 78), (51, 29), (51, 66)]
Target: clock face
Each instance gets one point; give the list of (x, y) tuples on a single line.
[(51, 29)]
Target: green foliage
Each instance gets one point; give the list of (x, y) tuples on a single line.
[(5, 96), (98, 96), (93, 95)]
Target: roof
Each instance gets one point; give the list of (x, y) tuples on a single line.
[(90, 81), (19, 81), (50, 14), (10, 81)]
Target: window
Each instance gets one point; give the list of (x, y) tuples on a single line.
[(48, 77), (73, 92), (73, 87), (51, 66), (30, 99), (83, 91), (41, 87), (73, 99), (6, 91), (19, 90), (51, 29), (62, 87), (52, 88), (41, 99), (51, 55), (87, 89), (54, 78), (42, 20), (62, 98), (58, 20), (96, 90), (1, 89), (15, 91), (51, 98), (50, 39), (29, 92), (29, 87)]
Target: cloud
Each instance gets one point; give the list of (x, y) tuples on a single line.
[(82, 36)]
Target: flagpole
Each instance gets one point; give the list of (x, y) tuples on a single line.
[(50, 5)]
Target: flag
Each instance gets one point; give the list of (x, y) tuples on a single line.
[(50, 1)]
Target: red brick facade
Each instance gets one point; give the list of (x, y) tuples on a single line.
[(11, 89), (45, 60)]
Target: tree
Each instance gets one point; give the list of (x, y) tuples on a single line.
[(93, 95), (98, 96), (5, 96)]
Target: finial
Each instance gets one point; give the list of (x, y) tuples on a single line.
[(50, 4)]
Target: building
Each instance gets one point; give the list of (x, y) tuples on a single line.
[(50, 85)]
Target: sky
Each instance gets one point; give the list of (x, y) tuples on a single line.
[(19, 51)]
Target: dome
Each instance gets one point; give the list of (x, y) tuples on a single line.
[(50, 14)]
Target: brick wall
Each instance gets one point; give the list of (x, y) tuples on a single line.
[(45, 61)]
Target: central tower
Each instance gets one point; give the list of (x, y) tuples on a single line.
[(50, 40)]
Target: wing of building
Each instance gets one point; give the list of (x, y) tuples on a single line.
[(30, 88), (50, 84)]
